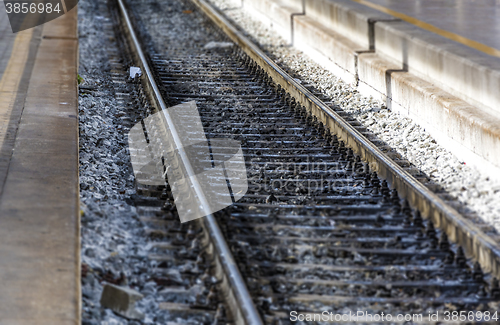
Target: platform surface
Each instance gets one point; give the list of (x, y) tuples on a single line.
[(6, 40), (39, 192), (475, 20)]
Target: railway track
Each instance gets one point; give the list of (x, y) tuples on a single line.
[(329, 223)]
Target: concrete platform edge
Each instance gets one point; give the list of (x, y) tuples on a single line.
[(39, 207), (469, 131)]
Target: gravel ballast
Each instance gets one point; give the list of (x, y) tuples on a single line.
[(473, 193), (113, 242), (139, 264)]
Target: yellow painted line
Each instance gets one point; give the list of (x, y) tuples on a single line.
[(11, 78), (431, 28)]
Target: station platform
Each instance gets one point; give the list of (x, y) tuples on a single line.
[(39, 189), (437, 62)]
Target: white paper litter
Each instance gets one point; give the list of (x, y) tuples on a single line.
[(135, 71), (217, 45)]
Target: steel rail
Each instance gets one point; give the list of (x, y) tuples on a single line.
[(460, 230), (243, 310)]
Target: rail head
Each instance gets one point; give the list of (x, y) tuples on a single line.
[(460, 230), (243, 308)]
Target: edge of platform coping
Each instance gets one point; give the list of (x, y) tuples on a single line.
[(57, 28), (467, 118), (460, 230), (52, 31)]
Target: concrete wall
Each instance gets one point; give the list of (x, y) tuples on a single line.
[(451, 90), (464, 72)]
